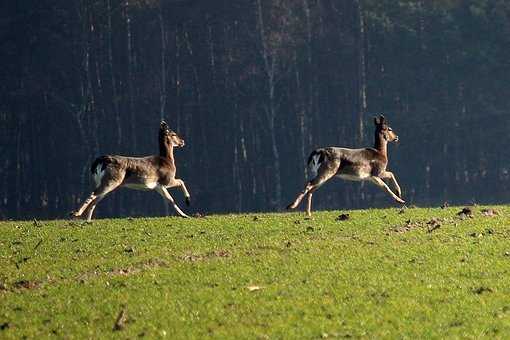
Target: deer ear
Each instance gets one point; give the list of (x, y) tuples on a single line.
[(382, 119), (163, 125), (376, 121)]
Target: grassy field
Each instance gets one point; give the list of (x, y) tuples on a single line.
[(388, 273)]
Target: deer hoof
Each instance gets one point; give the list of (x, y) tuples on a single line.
[(290, 206), (399, 200), (188, 201)]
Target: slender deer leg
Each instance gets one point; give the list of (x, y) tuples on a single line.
[(309, 198), (180, 183), (309, 203), (186, 192), (299, 197), (163, 192), (91, 208), (380, 183), (99, 195), (84, 206), (391, 176), (324, 174)]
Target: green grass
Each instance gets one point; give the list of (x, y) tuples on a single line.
[(375, 275)]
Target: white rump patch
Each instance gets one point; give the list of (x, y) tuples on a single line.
[(98, 174), (315, 164)]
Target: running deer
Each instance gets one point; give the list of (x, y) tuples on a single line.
[(368, 164), (140, 173)]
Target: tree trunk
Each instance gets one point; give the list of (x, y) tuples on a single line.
[(130, 80), (270, 65), (115, 98), (362, 85), (162, 96)]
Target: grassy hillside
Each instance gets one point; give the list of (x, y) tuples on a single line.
[(376, 273)]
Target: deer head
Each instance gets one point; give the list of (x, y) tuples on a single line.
[(169, 137), (383, 130)]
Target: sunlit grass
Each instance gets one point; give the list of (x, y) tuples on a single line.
[(386, 273)]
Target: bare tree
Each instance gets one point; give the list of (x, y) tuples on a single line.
[(270, 66), (362, 75)]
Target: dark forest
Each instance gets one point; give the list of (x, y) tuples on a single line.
[(252, 86)]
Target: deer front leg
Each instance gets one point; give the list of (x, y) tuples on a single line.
[(180, 183), (166, 195), (391, 176), (380, 183)]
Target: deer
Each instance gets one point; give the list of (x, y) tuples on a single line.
[(156, 172), (367, 164)]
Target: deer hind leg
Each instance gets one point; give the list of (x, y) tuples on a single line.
[(166, 195), (180, 183), (300, 196), (325, 172), (106, 181), (100, 194), (91, 208), (315, 186), (380, 183), (391, 176), (84, 206)]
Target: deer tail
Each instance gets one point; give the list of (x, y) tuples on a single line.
[(98, 166), (315, 159)]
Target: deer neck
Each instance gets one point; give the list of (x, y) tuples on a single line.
[(166, 151), (381, 145)]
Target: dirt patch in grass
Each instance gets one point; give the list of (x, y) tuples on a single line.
[(429, 225), (203, 257), (120, 321), (342, 217), (22, 285), (482, 290), (139, 267), (489, 212), (126, 271), (466, 212), (435, 223), (26, 284)]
